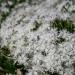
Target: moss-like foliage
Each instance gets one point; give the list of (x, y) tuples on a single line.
[(6, 62), (37, 25), (22, 67), (60, 40), (3, 17), (15, 2), (61, 24), (5, 50), (1, 2)]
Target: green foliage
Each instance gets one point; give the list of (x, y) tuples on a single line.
[(37, 25), (4, 15), (60, 24), (5, 50), (6, 62), (23, 68), (15, 2), (1, 2), (60, 40), (20, 1)]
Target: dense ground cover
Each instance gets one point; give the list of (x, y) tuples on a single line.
[(41, 36)]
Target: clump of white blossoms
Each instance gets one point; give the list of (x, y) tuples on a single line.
[(33, 42)]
